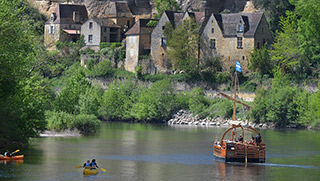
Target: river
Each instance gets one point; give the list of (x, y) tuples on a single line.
[(160, 152)]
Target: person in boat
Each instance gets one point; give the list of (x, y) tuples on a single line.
[(7, 153), (240, 139), (87, 164), (94, 165), (251, 141), (258, 138)]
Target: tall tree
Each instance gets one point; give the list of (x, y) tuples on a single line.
[(183, 44), (22, 95), (274, 9)]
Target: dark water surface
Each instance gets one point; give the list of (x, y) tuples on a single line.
[(159, 152)]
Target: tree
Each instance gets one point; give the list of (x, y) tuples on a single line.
[(22, 94), (260, 61), (274, 10), (165, 5), (183, 44)]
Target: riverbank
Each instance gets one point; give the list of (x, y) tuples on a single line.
[(65, 133), (183, 117)]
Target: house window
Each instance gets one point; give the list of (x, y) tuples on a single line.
[(258, 45), (263, 41), (51, 30), (105, 29), (239, 42), (262, 30), (163, 42), (131, 52), (90, 25), (131, 39), (163, 27), (213, 43), (240, 28), (243, 57), (105, 39), (212, 30), (90, 37), (128, 23), (70, 26)]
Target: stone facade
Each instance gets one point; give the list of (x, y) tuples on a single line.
[(233, 37), (100, 30), (138, 40), (64, 24), (158, 42)]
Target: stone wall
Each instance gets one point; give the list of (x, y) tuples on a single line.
[(158, 54), (132, 53), (95, 31)]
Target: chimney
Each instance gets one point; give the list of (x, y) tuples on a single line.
[(206, 12)]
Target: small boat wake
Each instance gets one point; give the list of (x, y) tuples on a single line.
[(191, 159)]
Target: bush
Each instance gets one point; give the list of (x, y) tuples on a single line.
[(102, 69), (84, 123)]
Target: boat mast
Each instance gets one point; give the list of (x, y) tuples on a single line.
[(234, 100)]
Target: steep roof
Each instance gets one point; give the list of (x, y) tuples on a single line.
[(105, 22), (175, 17), (228, 23), (136, 28), (119, 9), (64, 14)]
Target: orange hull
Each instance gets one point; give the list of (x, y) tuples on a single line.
[(18, 157), (231, 150)]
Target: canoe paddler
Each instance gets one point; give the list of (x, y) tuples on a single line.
[(7, 153), (94, 165), (87, 164)]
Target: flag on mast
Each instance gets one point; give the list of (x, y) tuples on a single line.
[(238, 66)]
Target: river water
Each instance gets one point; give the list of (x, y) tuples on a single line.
[(161, 152)]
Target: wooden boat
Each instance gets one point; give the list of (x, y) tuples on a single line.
[(231, 149), (88, 171), (18, 157)]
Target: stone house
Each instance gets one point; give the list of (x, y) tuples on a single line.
[(138, 40), (158, 40), (233, 37), (64, 24), (120, 13), (96, 30)]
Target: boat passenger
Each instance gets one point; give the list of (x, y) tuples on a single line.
[(94, 165), (258, 138), (252, 141), (240, 139), (87, 164), (7, 153)]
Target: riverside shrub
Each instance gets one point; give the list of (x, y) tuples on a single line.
[(84, 123)]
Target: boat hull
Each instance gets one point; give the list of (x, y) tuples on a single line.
[(233, 152), (18, 157), (88, 171)]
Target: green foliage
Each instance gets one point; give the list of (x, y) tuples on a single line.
[(184, 43), (84, 123), (197, 100), (165, 5), (274, 10), (22, 95), (152, 23), (155, 104), (89, 101), (102, 69), (117, 101), (68, 98), (138, 70), (260, 61)]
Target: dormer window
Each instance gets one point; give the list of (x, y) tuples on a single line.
[(52, 17), (90, 25), (240, 28)]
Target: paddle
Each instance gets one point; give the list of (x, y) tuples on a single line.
[(79, 166), (14, 152)]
